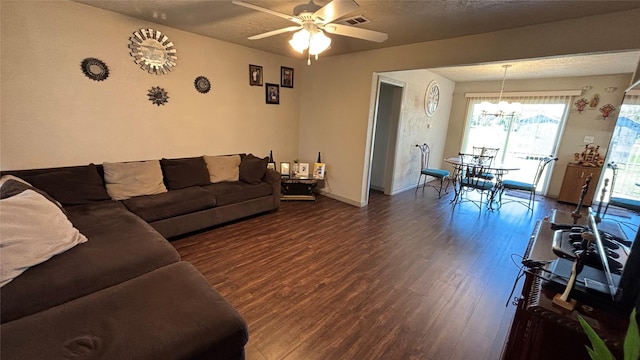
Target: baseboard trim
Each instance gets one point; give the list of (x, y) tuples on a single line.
[(341, 199)]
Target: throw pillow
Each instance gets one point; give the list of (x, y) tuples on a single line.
[(223, 168), (14, 187), (129, 179), (33, 230), (252, 169), (182, 173), (6, 178), (71, 186)]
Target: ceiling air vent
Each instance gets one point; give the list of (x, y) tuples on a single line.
[(354, 20)]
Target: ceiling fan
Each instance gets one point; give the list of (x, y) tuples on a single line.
[(312, 20)]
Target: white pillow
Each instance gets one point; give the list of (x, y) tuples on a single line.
[(33, 230), (126, 180), (223, 168)]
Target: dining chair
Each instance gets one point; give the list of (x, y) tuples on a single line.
[(526, 187), (486, 151), (471, 178), (426, 171), (625, 203)]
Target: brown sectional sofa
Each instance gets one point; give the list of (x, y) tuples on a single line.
[(125, 293)]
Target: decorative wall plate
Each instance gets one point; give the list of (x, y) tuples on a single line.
[(158, 95), (432, 98), (94, 69), (202, 84), (153, 51)]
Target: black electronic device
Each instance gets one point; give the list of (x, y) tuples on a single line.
[(611, 275)]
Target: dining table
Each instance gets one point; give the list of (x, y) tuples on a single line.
[(497, 168)]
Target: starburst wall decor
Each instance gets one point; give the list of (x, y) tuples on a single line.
[(158, 95)]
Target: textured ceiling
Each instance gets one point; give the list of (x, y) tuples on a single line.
[(405, 22), (583, 65)]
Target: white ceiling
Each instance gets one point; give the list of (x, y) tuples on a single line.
[(406, 22)]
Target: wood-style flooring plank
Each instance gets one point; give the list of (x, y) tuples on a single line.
[(407, 277)]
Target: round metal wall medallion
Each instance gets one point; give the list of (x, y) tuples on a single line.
[(432, 98), (202, 84), (153, 51), (94, 69), (158, 95)]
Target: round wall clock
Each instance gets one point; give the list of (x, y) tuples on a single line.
[(153, 51), (202, 84), (432, 98), (94, 69)]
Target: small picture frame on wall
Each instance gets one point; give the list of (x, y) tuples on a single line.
[(255, 75), (271, 165), (284, 169), (286, 77), (272, 93)]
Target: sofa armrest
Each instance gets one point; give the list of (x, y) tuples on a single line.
[(272, 178)]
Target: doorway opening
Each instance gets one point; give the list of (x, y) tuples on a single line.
[(385, 133)]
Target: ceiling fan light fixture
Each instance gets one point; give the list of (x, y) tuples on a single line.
[(300, 40), (319, 42)]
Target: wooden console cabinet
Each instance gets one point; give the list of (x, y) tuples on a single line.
[(541, 330), (574, 179)]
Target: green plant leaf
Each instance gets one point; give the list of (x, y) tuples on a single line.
[(600, 350), (632, 340)]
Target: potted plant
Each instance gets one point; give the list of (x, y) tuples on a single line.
[(599, 350)]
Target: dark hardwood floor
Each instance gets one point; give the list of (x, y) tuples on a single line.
[(403, 278)]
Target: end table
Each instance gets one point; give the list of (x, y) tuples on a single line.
[(298, 188)]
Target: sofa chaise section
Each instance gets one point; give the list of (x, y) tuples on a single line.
[(169, 313), (121, 246)]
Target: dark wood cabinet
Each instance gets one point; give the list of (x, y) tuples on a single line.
[(574, 178), (541, 330)]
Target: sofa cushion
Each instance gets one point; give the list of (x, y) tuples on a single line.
[(223, 168), (169, 313), (182, 173), (33, 229), (235, 192), (121, 246), (71, 186), (125, 180), (173, 203), (252, 169)]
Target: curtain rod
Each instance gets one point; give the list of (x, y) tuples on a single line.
[(527, 93)]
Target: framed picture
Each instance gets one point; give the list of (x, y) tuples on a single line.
[(303, 170), (271, 165), (318, 171), (273, 93), (284, 169), (255, 75), (286, 77)]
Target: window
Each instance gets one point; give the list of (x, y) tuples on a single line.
[(625, 151), (529, 130)]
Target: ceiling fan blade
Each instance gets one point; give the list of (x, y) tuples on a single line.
[(274, 32), (268, 11), (364, 34), (334, 10)]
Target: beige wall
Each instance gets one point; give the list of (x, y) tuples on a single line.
[(52, 115), (415, 127), (578, 125), (337, 120)]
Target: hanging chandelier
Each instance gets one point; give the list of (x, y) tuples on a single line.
[(502, 108)]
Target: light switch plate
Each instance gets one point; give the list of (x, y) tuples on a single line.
[(589, 139)]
